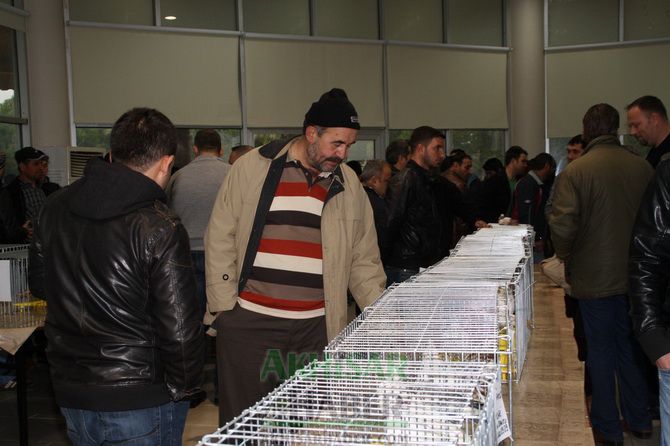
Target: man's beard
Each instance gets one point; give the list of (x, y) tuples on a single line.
[(642, 141), (320, 166)]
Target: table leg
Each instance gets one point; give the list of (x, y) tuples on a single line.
[(21, 396)]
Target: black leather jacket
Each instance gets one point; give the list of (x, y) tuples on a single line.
[(415, 226), (649, 267), (123, 322)]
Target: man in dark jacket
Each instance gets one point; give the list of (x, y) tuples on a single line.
[(530, 197), (595, 202), (125, 336), (648, 284), (397, 155), (22, 198), (495, 195), (415, 228), (375, 178), (648, 122)]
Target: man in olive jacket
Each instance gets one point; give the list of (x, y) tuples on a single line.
[(595, 203), (291, 230)]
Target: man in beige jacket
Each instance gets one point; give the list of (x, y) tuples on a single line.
[(591, 220), (290, 232)]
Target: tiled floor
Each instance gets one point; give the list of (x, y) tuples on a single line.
[(549, 407)]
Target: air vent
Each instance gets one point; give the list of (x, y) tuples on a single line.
[(78, 160), (67, 164)]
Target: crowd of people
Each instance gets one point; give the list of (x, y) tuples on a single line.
[(137, 264)]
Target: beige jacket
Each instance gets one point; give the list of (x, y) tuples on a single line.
[(350, 252), (594, 206)]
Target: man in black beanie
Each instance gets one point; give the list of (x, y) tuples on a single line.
[(290, 232)]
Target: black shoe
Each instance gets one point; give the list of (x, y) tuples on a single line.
[(642, 435), (599, 440)]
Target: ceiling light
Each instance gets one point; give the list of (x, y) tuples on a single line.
[(170, 17)]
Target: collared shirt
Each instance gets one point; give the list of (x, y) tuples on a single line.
[(34, 197), (535, 177)]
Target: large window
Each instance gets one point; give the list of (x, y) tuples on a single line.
[(99, 137), (415, 20), (206, 14), (9, 99), (233, 88), (273, 17), (464, 22), (346, 18), (601, 21), (135, 12), (10, 105), (479, 144), (475, 22), (646, 19)]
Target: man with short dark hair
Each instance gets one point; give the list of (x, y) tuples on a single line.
[(290, 232), (125, 340), (530, 197), (575, 148), (375, 178), (648, 122), (191, 193), (495, 195), (237, 151), (456, 168), (415, 229), (591, 220), (397, 155), (22, 199), (454, 198)]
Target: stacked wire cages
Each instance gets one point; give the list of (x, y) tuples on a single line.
[(504, 253), (17, 306), (355, 401), (453, 323)]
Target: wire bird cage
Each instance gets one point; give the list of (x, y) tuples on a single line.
[(17, 306), (344, 402), (412, 321), (510, 248), (514, 298)]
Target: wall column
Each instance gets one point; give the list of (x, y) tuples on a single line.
[(47, 74), (526, 95)]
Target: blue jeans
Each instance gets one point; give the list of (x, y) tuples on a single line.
[(664, 394), (198, 261), (155, 426), (612, 352)]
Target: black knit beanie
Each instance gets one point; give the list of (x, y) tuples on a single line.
[(333, 109)]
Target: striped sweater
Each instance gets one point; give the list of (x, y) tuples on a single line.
[(286, 279)]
